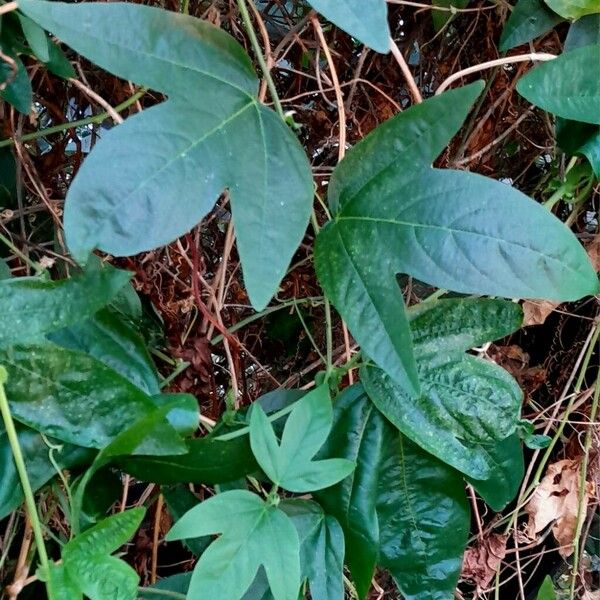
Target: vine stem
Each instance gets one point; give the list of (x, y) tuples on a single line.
[(15, 447), (8, 7), (507, 60), (408, 76), (243, 8)]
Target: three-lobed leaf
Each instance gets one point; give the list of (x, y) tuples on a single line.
[(253, 533), (176, 158), (365, 20), (567, 86), (290, 464), (467, 404), (401, 509)]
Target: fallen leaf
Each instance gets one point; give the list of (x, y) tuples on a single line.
[(482, 561), (593, 250), (556, 501), (535, 312)]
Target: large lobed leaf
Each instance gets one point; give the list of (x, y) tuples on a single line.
[(175, 159), (253, 533), (467, 404), (401, 509)]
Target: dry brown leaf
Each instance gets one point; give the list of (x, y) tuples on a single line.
[(556, 500), (535, 312), (593, 250), (481, 562)]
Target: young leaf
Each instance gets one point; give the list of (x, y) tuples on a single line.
[(70, 395), (321, 548), (365, 20), (290, 464), (31, 307), (567, 86), (40, 469), (111, 340), (467, 403), (176, 158), (418, 135), (253, 533), (574, 9), (402, 509), (89, 566), (528, 20), (546, 592)]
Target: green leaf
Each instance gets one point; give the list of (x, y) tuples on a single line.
[(206, 461), (418, 134), (70, 395), (528, 20), (399, 506), (111, 340), (366, 20), (252, 534), (36, 38), (175, 159), (31, 307), (321, 548), (506, 473), (290, 464), (60, 586), (567, 86), (40, 469), (178, 584), (88, 564), (440, 18), (546, 592), (574, 9), (467, 404), (18, 90), (59, 63)]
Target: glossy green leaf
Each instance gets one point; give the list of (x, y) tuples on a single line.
[(176, 158), (252, 534), (70, 395), (321, 548), (60, 586), (506, 473), (418, 135), (528, 20), (36, 37), (290, 464), (401, 509), (572, 136), (206, 461), (546, 591), (567, 86), (88, 562), (31, 307), (574, 9), (40, 469), (111, 340), (440, 18), (467, 404), (366, 20), (18, 90)]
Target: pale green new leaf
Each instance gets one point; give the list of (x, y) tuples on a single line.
[(89, 565), (546, 592), (402, 509), (366, 20), (290, 464), (31, 306), (175, 159), (574, 9), (567, 86), (252, 534), (467, 405), (528, 20)]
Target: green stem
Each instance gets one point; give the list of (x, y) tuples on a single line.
[(96, 119), (329, 336), (243, 8), (35, 266), (13, 440)]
